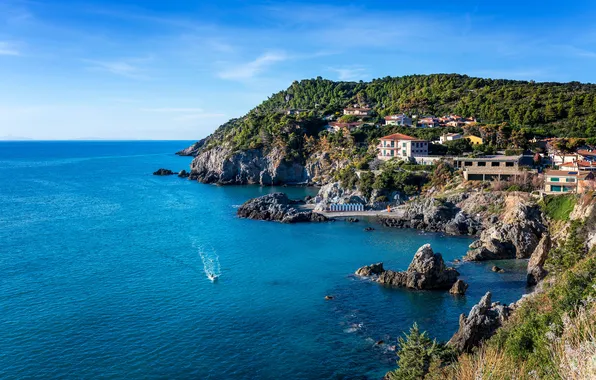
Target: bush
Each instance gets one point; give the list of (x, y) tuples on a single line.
[(558, 207)]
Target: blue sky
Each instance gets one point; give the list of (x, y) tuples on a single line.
[(178, 69)]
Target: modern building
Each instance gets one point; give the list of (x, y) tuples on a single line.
[(489, 168), (474, 140), (563, 181), (401, 146), (401, 120), (357, 111), (449, 137)]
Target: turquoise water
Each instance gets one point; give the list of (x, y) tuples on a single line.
[(103, 275)]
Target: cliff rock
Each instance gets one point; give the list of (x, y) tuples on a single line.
[(253, 166), (426, 271), (192, 150), (459, 288), (515, 235), (536, 271), (277, 207), (163, 172), (480, 324)]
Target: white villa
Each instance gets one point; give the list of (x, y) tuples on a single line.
[(401, 146)]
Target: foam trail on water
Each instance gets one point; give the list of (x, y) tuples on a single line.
[(211, 264)]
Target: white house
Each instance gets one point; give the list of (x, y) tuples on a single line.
[(401, 120), (449, 137), (401, 146)]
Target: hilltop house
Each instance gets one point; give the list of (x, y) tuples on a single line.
[(489, 168), (401, 120), (563, 181), (357, 111), (582, 165), (401, 146), (587, 155), (428, 122), (449, 137)]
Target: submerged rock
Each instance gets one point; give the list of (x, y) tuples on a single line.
[(368, 229), (459, 288), (536, 271), (277, 207), (426, 271), (481, 323), (163, 172), (497, 269)]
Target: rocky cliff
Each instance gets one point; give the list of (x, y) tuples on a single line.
[(192, 150)]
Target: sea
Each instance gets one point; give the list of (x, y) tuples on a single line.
[(105, 274)]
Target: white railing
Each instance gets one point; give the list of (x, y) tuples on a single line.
[(346, 207)]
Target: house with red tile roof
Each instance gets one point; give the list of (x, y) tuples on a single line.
[(401, 146)]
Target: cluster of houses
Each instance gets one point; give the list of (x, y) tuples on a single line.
[(363, 113), (575, 173)]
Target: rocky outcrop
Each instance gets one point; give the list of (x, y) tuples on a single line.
[(481, 323), (436, 215), (192, 150), (183, 174), (515, 235), (163, 172), (536, 271), (223, 166), (426, 271), (277, 207), (459, 288)]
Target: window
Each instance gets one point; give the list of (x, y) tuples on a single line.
[(555, 189), (403, 145), (495, 164), (482, 164), (554, 179), (468, 163), (509, 164), (570, 180)]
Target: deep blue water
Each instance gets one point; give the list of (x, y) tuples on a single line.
[(102, 276)]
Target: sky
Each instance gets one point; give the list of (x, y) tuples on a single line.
[(176, 70)]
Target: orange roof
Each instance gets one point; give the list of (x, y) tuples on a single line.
[(399, 136), (586, 153), (581, 164)]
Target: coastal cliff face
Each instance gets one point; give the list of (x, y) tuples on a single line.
[(220, 165), (278, 207), (192, 150)]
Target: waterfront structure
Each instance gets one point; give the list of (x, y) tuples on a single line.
[(401, 120), (401, 146), (488, 168), (563, 181)]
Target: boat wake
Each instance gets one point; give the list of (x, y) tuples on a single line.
[(211, 264)]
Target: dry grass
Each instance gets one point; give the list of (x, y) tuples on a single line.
[(574, 353)]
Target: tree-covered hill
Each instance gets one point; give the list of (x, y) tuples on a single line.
[(542, 109)]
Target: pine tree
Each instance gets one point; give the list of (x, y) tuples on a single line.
[(416, 352)]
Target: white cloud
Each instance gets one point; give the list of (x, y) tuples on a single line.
[(251, 69), (7, 48), (350, 73), (125, 68)]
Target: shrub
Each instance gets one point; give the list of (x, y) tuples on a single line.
[(558, 207)]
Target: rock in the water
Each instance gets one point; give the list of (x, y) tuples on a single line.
[(328, 298), (480, 324), (183, 174), (277, 207), (163, 172), (536, 271), (459, 288), (497, 269), (426, 271), (352, 220), (370, 270), (368, 229)]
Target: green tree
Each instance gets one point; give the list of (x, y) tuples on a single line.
[(416, 351)]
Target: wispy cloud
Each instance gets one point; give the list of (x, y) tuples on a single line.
[(350, 73), (126, 68), (250, 69), (8, 48)]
